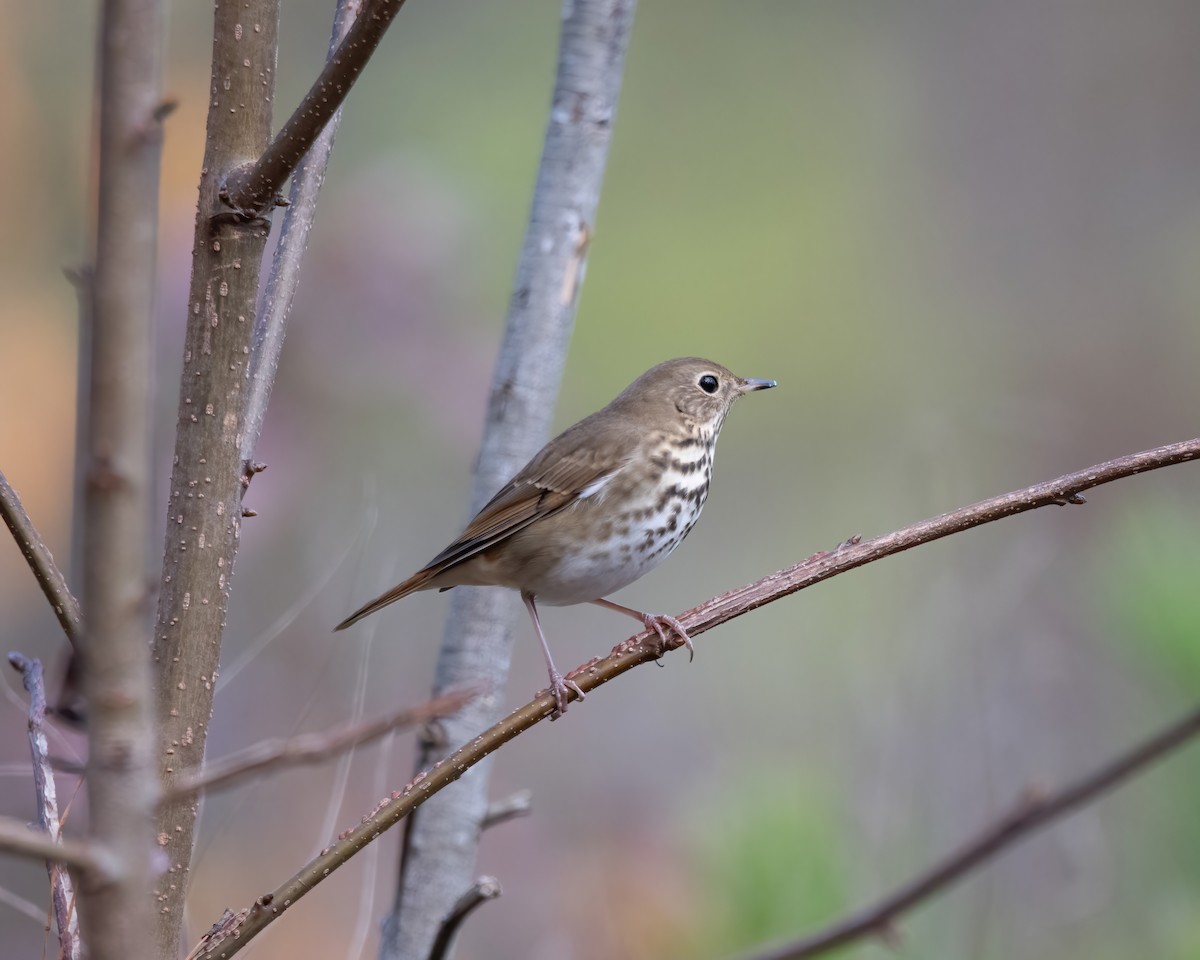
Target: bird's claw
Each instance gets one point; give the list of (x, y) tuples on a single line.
[(656, 622), (561, 687)]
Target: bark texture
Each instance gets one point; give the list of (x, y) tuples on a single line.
[(208, 474)]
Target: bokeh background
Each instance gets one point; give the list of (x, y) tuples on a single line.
[(964, 237)]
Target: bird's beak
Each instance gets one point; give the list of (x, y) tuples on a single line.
[(749, 384)]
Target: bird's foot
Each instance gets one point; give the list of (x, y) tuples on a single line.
[(656, 622), (562, 687)]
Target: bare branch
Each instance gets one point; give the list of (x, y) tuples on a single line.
[(62, 892), (252, 189), (438, 851), (18, 838), (70, 705), (271, 327), (117, 685), (308, 748), (225, 926), (647, 647), (1032, 813), (519, 804), (481, 891), (855, 553), (37, 554), (25, 907), (204, 513)]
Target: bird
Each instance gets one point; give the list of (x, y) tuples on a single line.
[(598, 507)]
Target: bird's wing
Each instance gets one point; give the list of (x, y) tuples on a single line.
[(556, 478)]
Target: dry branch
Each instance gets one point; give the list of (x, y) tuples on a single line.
[(37, 554), (252, 189), (308, 748), (480, 892), (62, 892), (1032, 813), (519, 804), (116, 912), (17, 837), (284, 278), (204, 511), (229, 365), (438, 852), (647, 647)]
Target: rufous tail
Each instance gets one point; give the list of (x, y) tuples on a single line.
[(417, 581)]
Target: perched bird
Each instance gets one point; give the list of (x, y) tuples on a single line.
[(601, 504)]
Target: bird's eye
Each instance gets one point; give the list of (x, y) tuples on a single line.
[(708, 383)]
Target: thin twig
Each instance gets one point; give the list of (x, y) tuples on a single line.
[(481, 891), (855, 552), (225, 926), (37, 554), (25, 907), (16, 837), (647, 647), (519, 804), (61, 889), (307, 748), (271, 325), (1032, 813), (252, 189), (369, 883)]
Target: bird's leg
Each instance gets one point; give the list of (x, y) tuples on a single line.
[(653, 621), (558, 686)]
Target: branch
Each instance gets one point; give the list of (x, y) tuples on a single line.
[(481, 891), (17, 838), (61, 890), (252, 188), (117, 686), (1064, 490), (647, 647), (37, 554), (1032, 813), (204, 513), (519, 804), (438, 851), (284, 278), (308, 748)]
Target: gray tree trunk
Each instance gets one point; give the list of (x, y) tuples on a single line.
[(438, 855)]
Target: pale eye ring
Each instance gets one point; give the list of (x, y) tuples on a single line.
[(708, 383)]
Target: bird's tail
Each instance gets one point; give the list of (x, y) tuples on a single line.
[(418, 581)]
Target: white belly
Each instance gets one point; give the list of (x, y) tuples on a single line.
[(629, 550)]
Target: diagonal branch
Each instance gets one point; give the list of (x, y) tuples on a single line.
[(1032, 813), (62, 892), (308, 748), (519, 804), (252, 188), (480, 892), (37, 554), (1064, 490), (284, 278), (647, 647), (17, 838)]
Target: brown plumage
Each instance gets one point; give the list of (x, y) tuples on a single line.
[(599, 505)]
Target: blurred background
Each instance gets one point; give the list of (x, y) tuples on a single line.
[(964, 237)]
